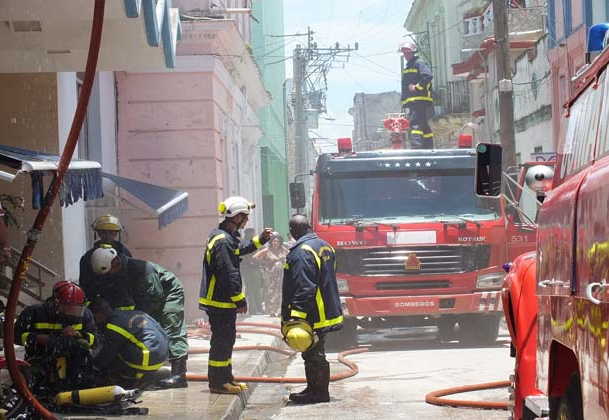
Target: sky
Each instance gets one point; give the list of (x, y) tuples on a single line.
[(377, 25)]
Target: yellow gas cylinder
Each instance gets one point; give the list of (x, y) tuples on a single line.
[(91, 396)]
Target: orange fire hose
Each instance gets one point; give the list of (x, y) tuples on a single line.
[(32, 238), (203, 327), (434, 397)]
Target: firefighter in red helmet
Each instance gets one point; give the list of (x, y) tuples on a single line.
[(58, 336)]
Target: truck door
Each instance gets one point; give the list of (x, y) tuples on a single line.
[(521, 230)]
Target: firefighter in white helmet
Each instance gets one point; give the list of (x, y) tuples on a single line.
[(417, 96), (222, 295), (107, 232)]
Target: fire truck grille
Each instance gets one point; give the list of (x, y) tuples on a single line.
[(413, 285), (439, 259)]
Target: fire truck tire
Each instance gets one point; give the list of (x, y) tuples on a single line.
[(446, 329), (343, 339), (479, 329), (569, 406)]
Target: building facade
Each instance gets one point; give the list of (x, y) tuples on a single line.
[(269, 52)]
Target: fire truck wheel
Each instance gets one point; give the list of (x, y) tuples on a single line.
[(479, 329), (446, 329), (343, 339), (569, 404)]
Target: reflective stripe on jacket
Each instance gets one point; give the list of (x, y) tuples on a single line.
[(221, 285), (42, 319), (310, 290), (136, 339), (416, 73)]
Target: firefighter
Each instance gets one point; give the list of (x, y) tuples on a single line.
[(416, 97), (151, 289), (108, 229), (58, 336), (222, 294), (310, 306), (134, 345)]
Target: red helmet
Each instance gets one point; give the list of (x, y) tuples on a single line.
[(68, 293)]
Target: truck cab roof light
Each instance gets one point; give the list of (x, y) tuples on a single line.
[(344, 145), (465, 141)]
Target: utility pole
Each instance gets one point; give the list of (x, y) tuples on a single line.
[(504, 81), (310, 68)]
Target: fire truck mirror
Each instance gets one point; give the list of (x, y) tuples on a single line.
[(488, 170), (297, 195)]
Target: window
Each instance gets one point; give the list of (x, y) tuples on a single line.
[(466, 27), (582, 128), (538, 149), (568, 17), (603, 138)]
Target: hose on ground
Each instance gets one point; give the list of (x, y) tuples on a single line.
[(435, 396), (195, 377), (49, 199)]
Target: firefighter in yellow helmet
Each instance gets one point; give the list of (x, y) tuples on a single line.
[(417, 97), (310, 306), (222, 295)]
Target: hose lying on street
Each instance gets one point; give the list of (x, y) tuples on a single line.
[(353, 368), (435, 396)]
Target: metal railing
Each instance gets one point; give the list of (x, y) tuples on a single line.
[(37, 277), (453, 98)]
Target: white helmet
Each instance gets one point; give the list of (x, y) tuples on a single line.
[(407, 45), (101, 260), (235, 205)]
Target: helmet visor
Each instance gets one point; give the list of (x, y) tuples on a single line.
[(71, 309)]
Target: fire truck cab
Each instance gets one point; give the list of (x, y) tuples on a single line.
[(415, 246)]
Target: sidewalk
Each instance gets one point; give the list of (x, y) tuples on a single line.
[(196, 402)]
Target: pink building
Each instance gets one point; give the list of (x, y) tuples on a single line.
[(194, 129)]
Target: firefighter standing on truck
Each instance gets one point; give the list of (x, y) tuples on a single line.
[(416, 97), (222, 294), (58, 336), (310, 306), (152, 289)]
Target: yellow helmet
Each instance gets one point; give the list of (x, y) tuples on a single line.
[(107, 222), (298, 335)]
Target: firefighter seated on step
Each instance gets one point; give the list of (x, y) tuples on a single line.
[(58, 336), (133, 345)]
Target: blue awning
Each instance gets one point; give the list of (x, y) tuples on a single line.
[(83, 181), (168, 204)]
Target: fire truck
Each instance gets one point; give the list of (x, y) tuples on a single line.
[(415, 246), (556, 299)]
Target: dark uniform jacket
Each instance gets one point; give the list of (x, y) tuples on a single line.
[(221, 285), (118, 288), (94, 285), (43, 319), (133, 338), (416, 73), (310, 290)]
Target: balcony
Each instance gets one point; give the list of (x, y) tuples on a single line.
[(453, 98)]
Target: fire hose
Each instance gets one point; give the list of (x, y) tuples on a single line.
[(353, 368), (43, 213), (435, 396)]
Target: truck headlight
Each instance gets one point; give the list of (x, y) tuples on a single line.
[(490, 280), (343, 286)]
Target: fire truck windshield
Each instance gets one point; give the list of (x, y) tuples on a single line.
[(404, 195)]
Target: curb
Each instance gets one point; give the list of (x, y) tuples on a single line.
[(238, 403)]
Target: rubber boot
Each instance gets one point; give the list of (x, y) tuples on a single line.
[(319, 384), (178, 375), (309, 372)]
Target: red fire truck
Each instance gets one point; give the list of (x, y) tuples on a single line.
[(557, 298), (415, 246)]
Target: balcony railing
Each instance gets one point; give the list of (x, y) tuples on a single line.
[(453, 98)]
